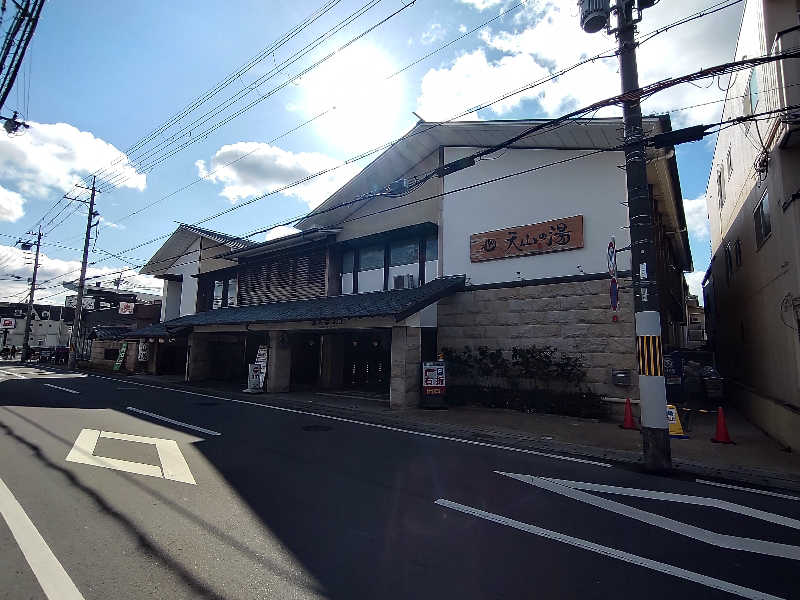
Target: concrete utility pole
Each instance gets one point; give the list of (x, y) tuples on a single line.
[(26, 336), (595, 14), (76, 323)]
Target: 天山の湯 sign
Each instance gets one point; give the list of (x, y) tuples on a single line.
[(539, 238)]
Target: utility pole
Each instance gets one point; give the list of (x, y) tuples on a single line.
[(76, 323), (26, 336), (595, 14)]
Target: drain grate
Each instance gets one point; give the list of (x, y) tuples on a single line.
[(317, 428)]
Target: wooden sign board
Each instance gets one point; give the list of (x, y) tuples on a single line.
[(539, 238)]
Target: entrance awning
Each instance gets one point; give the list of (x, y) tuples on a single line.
[(395, 304)]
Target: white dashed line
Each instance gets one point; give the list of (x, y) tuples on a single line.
[(374, 425), (173, 421), (63, 389), (55, 582)]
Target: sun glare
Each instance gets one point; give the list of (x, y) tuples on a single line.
[(368, 106)]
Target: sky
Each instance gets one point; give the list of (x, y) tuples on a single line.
[(99, 78)]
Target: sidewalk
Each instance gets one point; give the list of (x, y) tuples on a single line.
[(754, 459)]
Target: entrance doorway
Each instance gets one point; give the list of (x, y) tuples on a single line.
[(305, 358), (367, 360)]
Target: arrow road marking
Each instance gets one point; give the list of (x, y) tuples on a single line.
[(173, 421), (17, 375), (55, 582), (683, 499), (647, 563), (63, 389), (691, 531), (173, 464)]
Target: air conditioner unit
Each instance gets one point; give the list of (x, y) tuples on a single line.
[(402, 282), (45, 315)]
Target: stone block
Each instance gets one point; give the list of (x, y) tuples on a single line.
[(575, 330)]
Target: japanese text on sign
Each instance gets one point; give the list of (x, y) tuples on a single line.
[(433, 378), (539, 238)]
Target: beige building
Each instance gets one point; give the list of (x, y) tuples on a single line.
[(752, 289)]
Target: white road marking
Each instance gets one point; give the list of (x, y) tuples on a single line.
[(173, 463), (374, 425), (173, 421), (747, 489), (683, 499), (712, 582), (691, 531), (63, 389), (13, 374), (55, 582)]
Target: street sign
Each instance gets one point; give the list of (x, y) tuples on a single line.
[(614, 293), (144, 352), (433, 378), (121, 356), (6, 323), (612, 257)]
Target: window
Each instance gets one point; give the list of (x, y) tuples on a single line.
[(720, 188), (729, 164), (217, 298), (110, 353), (728, 263), (751, 99), (348, 259), (762, 221), (737, 252), (233, 290), (404, 253), (370, 258), (432, 248)]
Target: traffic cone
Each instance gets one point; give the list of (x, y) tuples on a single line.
[(721, 436), (628, 422)]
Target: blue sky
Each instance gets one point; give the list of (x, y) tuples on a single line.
[(100, 76)]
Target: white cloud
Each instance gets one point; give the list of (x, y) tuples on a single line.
[(10, 205), (268, 168), (433, 34), (482, 4), (697, 217), (106, 223), (695, 282), (462, 28), (55, 156), (53, 271), (451, 90), (279, 232), (547, 34)]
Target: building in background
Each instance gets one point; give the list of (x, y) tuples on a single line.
[(50, 325), (99, 340), (507, 251), (752, 288), (98, 297), (695, 323)]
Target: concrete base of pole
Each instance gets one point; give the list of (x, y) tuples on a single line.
[(656, 450)]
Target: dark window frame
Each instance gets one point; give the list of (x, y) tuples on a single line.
[(762, 233)]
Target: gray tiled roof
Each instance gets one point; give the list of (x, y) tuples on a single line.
[(396, 303), (233, 241), (108, 332)]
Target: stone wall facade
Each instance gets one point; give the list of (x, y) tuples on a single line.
[(574, 317), (97, 359)]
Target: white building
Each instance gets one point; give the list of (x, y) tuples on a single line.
[(752, 289)]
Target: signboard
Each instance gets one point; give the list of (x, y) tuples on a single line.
[(257, 371), (123, 350), (7, 323), (144, 352), (539, 238), (126, 308), (88, 302), (675, 427), (612, 257), (433, 378)]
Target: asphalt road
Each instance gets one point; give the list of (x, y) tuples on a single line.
[(101, 500)]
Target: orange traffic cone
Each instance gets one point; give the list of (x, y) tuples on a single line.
[(721, 435), (628, 422)]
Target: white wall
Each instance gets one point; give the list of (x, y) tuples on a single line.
[(171, 306), (187, 266), (593, 187)]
